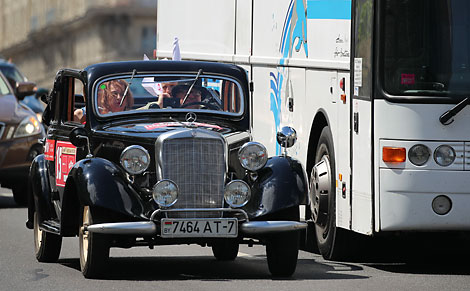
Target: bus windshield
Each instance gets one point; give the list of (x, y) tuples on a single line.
[(426, 47)]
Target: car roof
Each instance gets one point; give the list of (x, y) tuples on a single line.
[(98, 71)]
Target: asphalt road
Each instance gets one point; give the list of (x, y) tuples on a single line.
[(194, 268)]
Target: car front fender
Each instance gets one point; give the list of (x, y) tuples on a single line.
[(101, 183), (280, 185)]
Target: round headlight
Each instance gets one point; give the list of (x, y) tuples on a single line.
[(165, 193), (444, 155), (419, 154), (237, 193), (253, 156), (135, 159)]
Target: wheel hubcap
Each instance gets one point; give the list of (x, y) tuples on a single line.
[(37, 233), (320, 185), (84, 236)]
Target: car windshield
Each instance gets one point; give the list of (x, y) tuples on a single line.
[(426, 47), (158, 93), (12, 73)]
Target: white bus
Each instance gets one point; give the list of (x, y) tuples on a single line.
[(376, 89)]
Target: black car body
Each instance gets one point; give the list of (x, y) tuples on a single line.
[(20, 132), (171, 175)]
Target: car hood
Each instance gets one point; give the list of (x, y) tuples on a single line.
[(11, 111), (148, 130)]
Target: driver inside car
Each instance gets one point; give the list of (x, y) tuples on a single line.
[(187, 100)]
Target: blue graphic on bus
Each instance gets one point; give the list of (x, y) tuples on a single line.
[(294, 31)]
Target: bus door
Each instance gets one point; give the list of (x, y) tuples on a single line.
[(361, 123)]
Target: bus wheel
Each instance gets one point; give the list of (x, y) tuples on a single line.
[(323, 202)]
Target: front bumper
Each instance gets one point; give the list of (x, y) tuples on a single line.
[(150, 228)]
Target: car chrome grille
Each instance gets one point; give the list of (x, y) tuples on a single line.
[(197, 166)]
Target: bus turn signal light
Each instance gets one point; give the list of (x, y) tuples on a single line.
[(393, 155)]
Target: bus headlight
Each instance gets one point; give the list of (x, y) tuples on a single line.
[(135, 159), (237, 193), (444, 155), (252, 156), (419, 154), (165, 193)]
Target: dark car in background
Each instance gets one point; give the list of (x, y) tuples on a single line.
[(20, 131), (14, 76), (139, 172)]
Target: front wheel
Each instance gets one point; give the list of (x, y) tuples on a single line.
[(94, 248), (225, 250), (46, 245), (282, 251)]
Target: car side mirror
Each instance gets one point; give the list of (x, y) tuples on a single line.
[(286, 137), (79, 138), (24, 89)]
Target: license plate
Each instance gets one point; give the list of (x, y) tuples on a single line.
[(217, 227)]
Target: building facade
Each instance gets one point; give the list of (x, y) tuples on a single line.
[(43, 36)]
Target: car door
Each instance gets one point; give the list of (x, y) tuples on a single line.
[(59, 151)]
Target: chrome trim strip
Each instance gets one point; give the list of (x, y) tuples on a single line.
[(158, 211), (269, 227), (130, 228)]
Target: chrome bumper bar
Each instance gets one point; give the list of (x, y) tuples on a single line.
[(149, 228)]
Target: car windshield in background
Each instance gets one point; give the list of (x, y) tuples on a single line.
[(148, 93), (426, 47)]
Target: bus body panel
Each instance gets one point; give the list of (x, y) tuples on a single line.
[(296, 52), (406, 191), (362, 202)]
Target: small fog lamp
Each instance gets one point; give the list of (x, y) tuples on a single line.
[(441, 205), (165, 193), (237, 193)]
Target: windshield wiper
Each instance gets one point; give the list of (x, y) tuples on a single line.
[(444, 118), (128, 85), (192, 85)]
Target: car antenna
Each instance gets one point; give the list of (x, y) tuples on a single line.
[(127, 88), (192, 85)]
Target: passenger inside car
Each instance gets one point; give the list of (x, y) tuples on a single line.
[(114, 96)]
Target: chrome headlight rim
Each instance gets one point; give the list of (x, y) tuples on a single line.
[(452, 156), (247, 198), (414, 158), (146, 154), (243, 151), (159, 183)]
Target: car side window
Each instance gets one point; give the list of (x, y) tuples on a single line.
[(4, 87), (73, 100)]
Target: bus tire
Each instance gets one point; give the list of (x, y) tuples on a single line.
[(330, 239)]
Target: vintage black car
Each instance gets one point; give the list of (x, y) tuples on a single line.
[(152, 153)]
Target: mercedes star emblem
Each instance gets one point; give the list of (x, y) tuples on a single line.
[(191, 117)]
